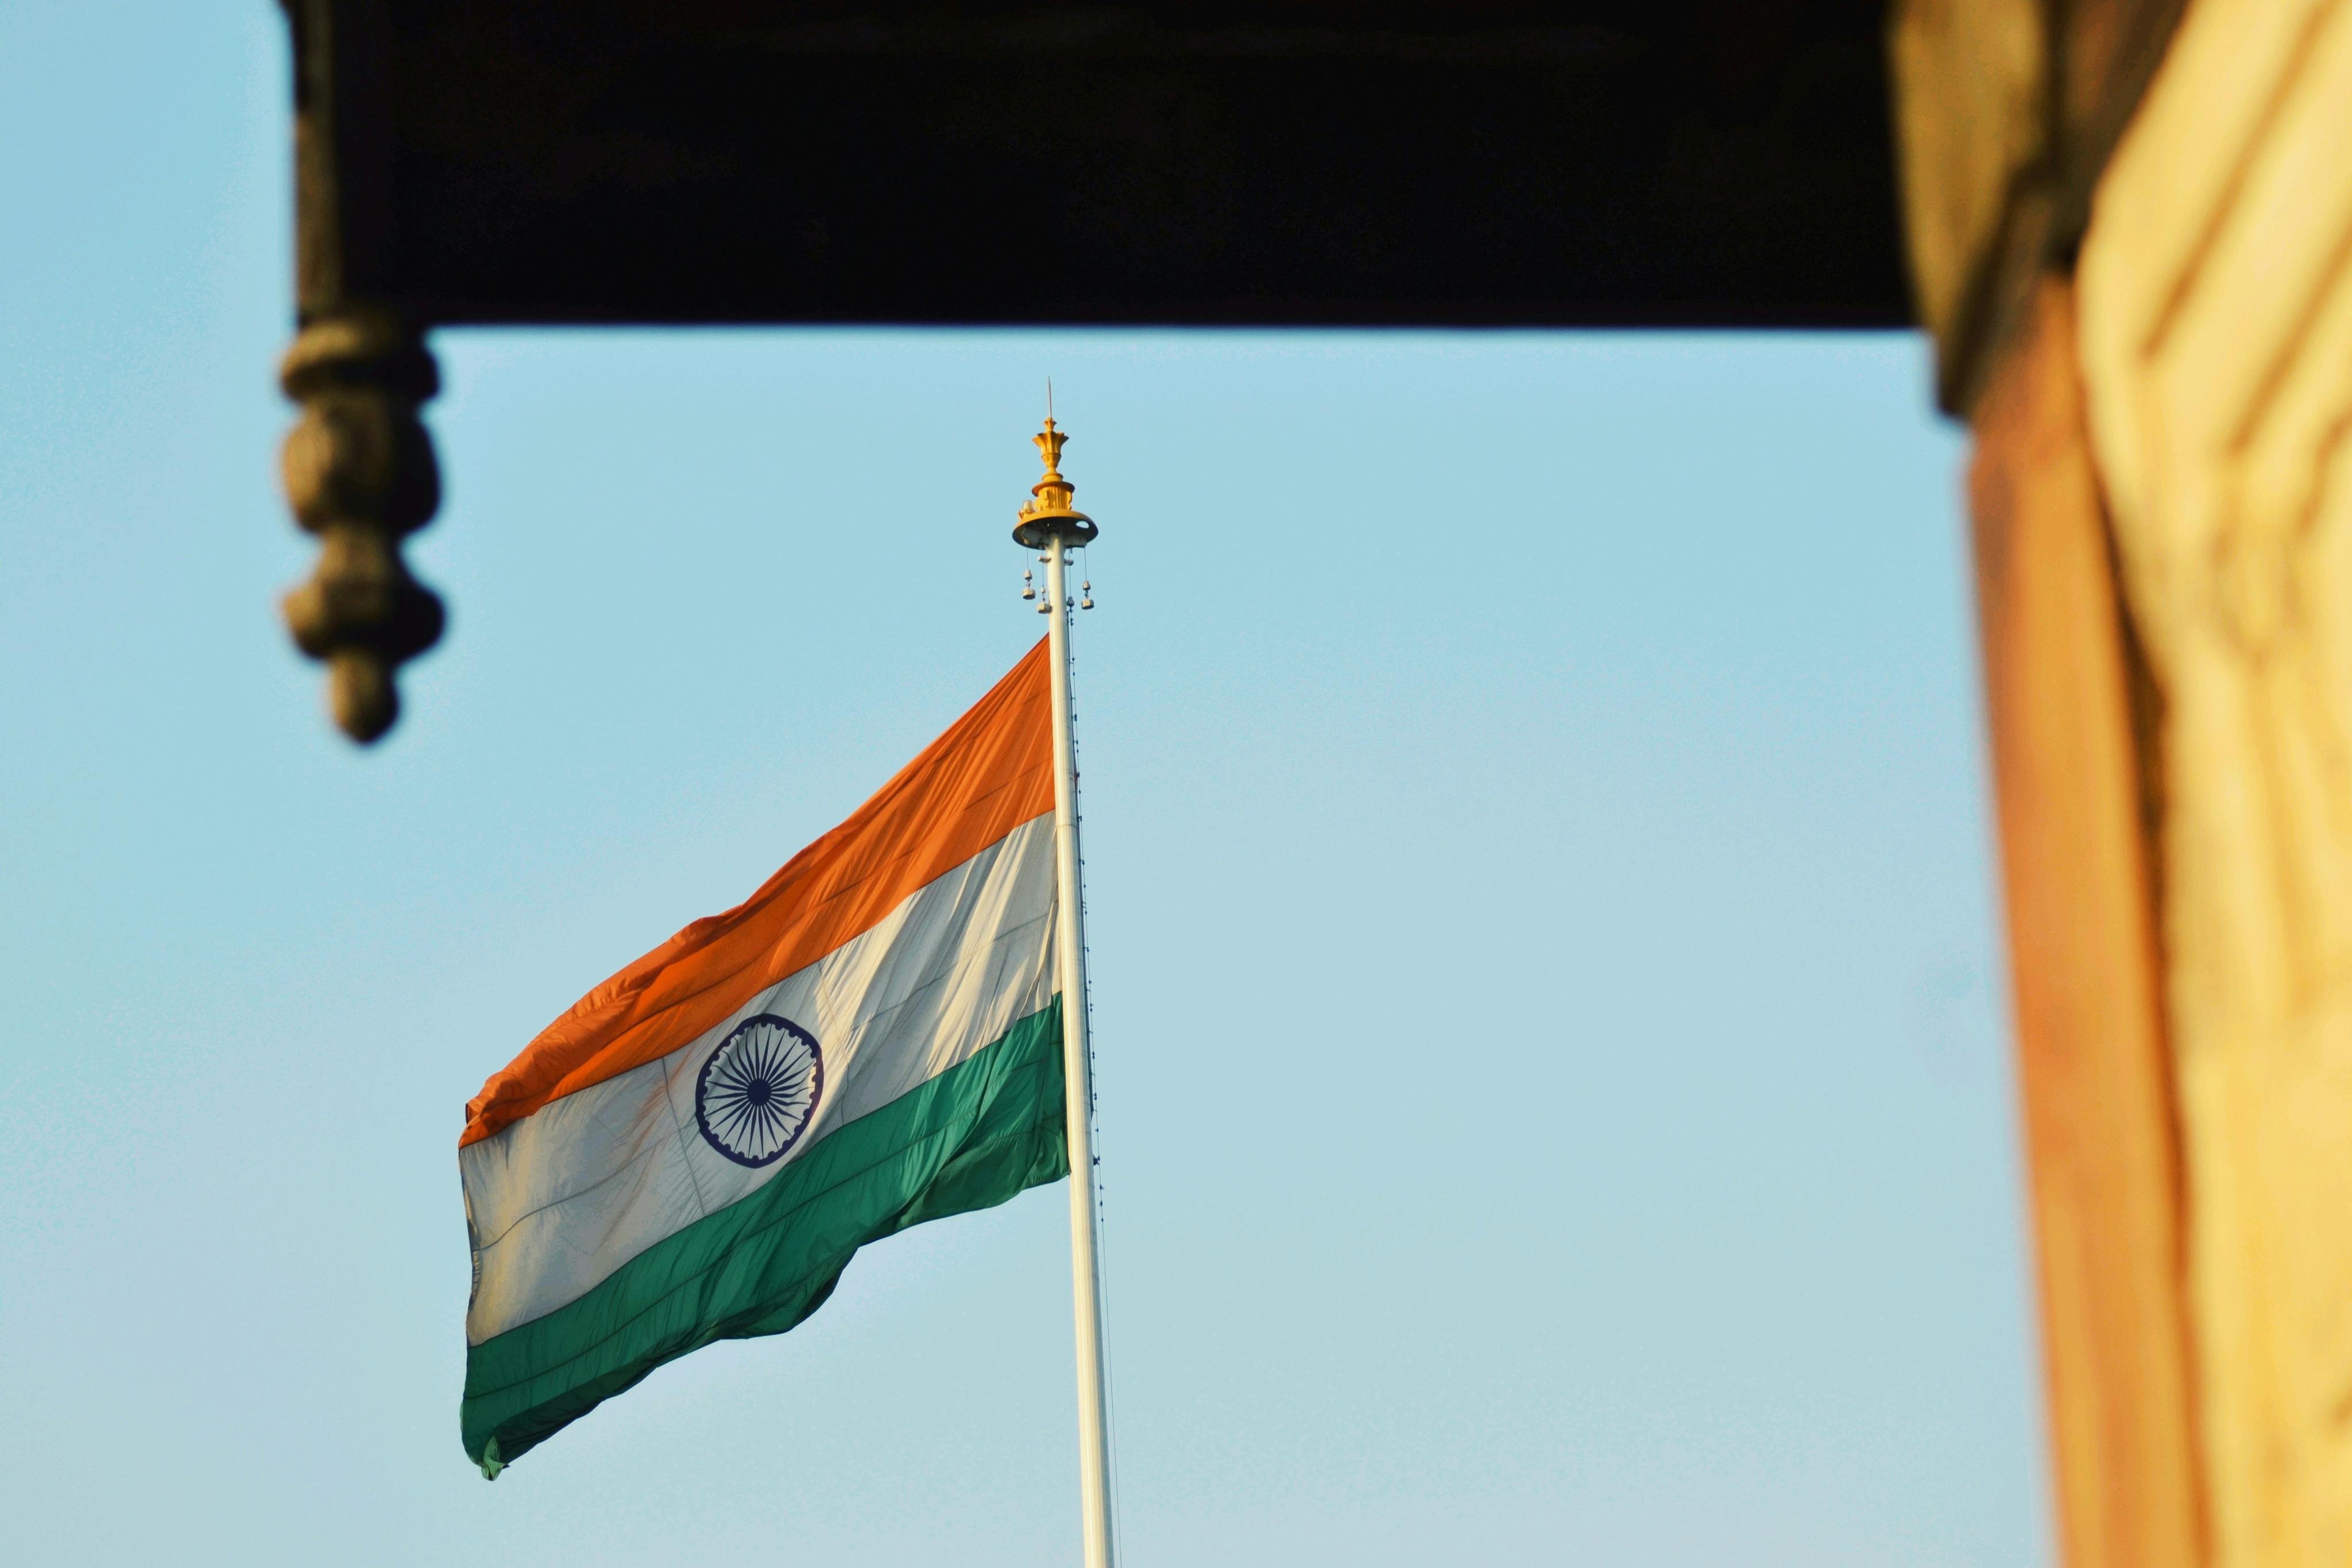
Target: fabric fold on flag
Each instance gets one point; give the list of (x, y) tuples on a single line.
[(696, 1150)]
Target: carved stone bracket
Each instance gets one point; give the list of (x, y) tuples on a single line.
[(360, 474), (2006, 112)]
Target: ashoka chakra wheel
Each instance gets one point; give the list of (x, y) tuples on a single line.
[(759, 1090)]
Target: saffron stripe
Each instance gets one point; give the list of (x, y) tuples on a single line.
[(989, 773)]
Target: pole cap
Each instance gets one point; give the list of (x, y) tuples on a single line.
[(1049, 516)]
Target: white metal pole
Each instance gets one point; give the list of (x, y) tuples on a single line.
[(1077, 1087)]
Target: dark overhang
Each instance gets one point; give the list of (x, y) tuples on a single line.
[(1276, 162)]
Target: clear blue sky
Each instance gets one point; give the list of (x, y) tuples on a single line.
[(1555, 1107)]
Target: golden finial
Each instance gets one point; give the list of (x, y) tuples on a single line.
[(1049, 515), (1048, 442)]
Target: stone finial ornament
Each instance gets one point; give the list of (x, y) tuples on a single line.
[(360, 474)]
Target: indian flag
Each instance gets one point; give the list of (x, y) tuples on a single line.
[(697, 1149)]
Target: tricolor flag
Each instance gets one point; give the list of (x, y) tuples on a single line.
[(697, 1149)]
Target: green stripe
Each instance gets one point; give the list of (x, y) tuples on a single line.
[(973, 1137)]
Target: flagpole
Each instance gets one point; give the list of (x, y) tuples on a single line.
[(1049, 525)]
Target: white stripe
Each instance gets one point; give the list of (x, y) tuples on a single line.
[(560, 1199)]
